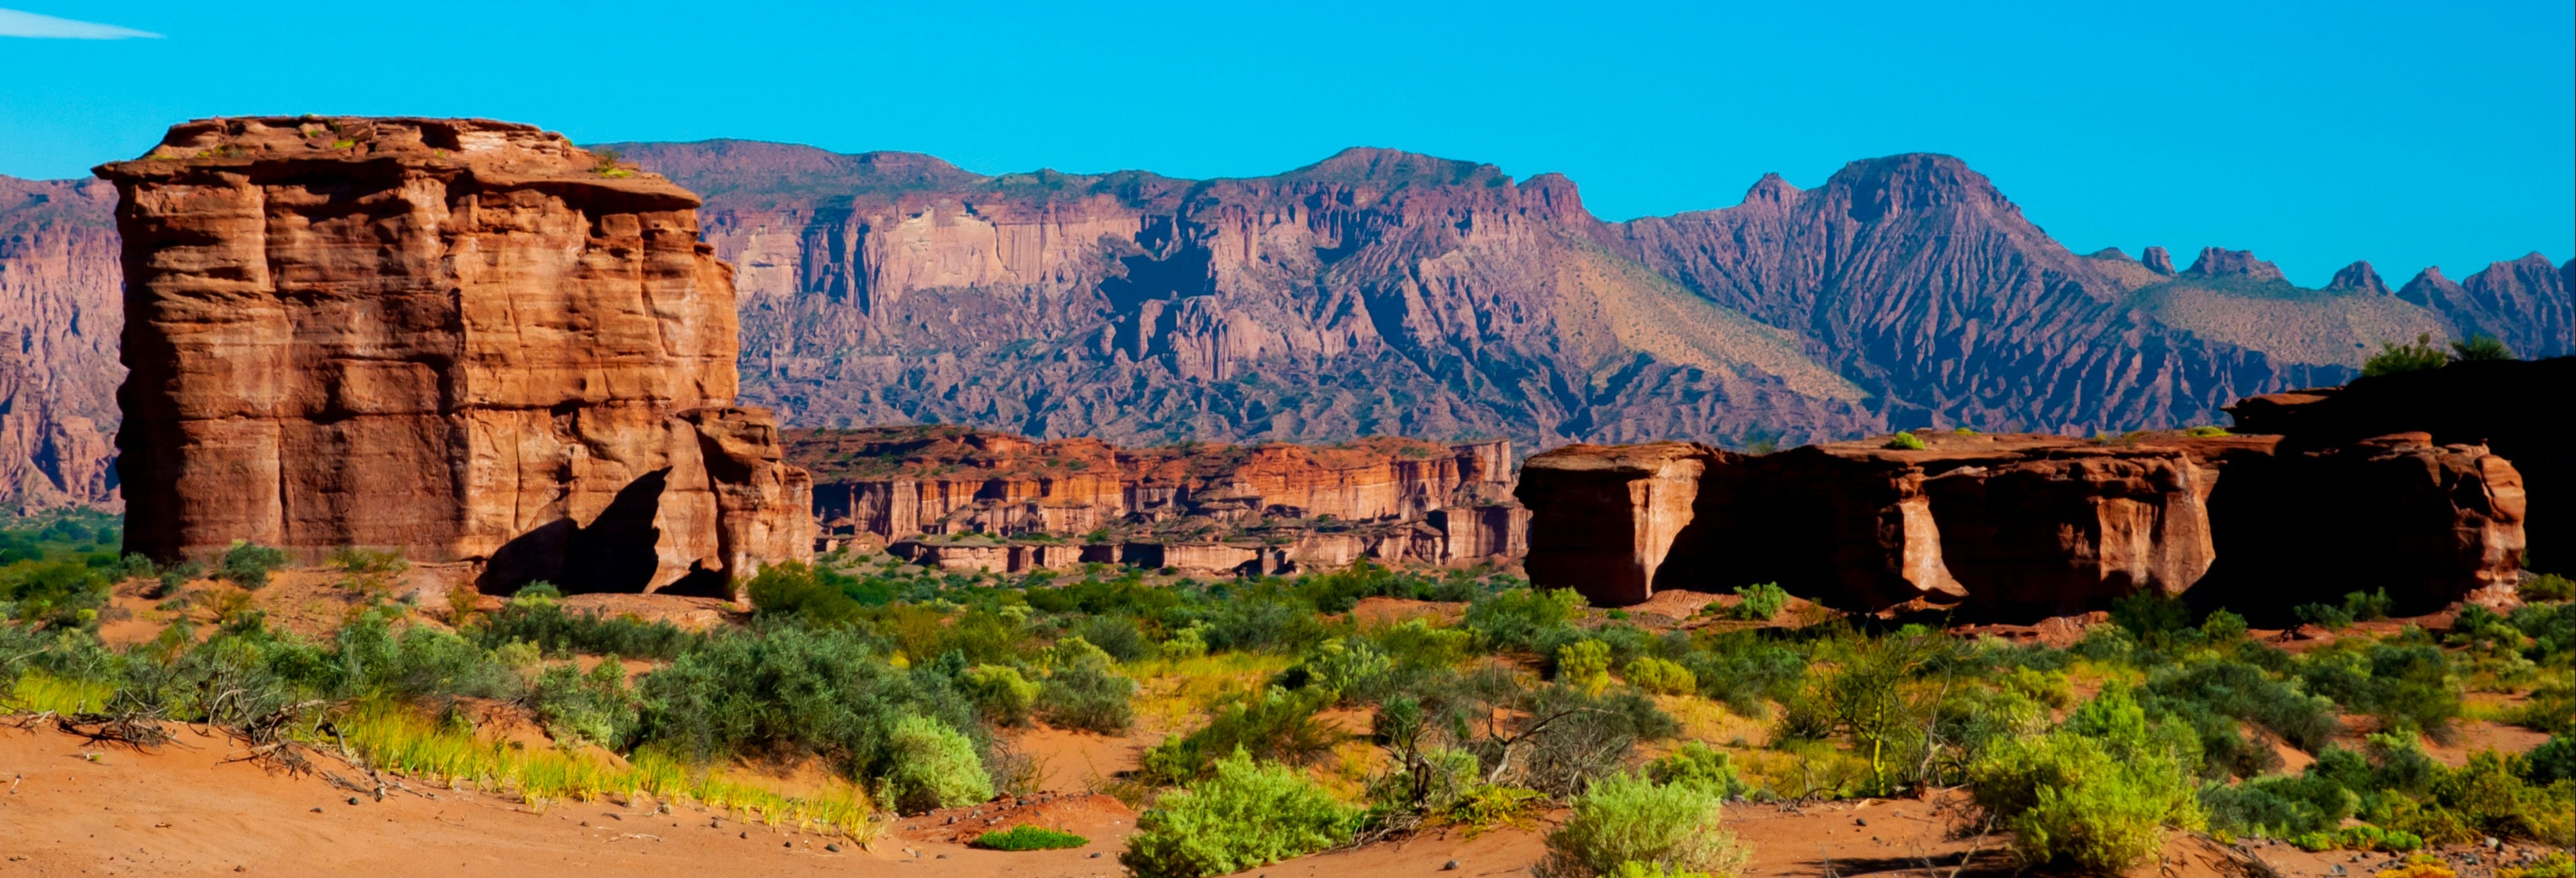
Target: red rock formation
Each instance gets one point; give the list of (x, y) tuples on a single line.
[(466, 339), (58, 371), (2028, 526), (1212, 507), (1602, 519)]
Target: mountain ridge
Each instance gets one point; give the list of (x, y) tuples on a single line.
[(1382, 291)]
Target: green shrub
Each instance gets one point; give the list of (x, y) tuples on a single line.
[(1697, 763), (2205, 430), (2096, 793), (1244, 815), (1344, 666), (1275, 725), (2366, 607), (1584, 664), (1661, 677), (2397, 359), (1027, 837), (353, 559), (1905, 442), (60, 594), (2548, 587), (933, 766), (1634, 869), (2481, 348), (1624, 818), (2278, 806), (1762, 601), (594, 706), (1087, 697), (248, 564), (1522, 618), (1002, 696), (534, 619), (2327, 616), (793, 589)]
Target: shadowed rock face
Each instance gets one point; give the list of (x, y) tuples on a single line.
[(463, 338), (2505, 406), (58, 371), (2021, 526), (997, 501)]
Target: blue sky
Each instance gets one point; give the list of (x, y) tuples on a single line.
[(2409, 134)]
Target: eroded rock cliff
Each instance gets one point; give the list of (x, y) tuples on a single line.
[(961, 497), (2024, 526), (466, 339), (58, 369)]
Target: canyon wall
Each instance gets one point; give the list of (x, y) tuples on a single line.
[(2026, 526), (465, 339), (961, 497)]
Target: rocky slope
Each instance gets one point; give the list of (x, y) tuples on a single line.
[(466, 339), (961, 497)]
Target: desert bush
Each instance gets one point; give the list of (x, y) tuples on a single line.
[(59, 594), (2216, 696), (1570, 738), (1905, 442), (931, 765), (1697, 763), (1002, 696), (1745, 672), (1522, 619), (1277, 725), (2407, 682), (1029, 837), (1343, 667), (1661, 677), (1085, 694), (1629, 819), (354, 559), (2548, 587), (248, 564), (787, 691), (2481, 348), (534, 619), (2098, 792), (792, 589), (1116, 635), (594, 706), (1243, 815), (1761, 601), (2279, 807), (1584, 664), (2396, 359)]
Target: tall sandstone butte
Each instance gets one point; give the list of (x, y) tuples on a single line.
[(467, 339)]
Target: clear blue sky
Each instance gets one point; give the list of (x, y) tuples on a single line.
[(2408, 134)]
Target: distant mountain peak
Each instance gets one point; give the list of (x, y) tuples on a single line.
[(1381, 165), (1772, 189), (2358, 277), (2222, 262), (2158, 260)]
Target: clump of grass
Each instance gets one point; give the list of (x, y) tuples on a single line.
[(1027, 837), (1904, 442), (395, 737), (41, 692)]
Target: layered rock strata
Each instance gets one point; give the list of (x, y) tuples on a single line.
[(2022, 526), (958, 497), (469, 340)]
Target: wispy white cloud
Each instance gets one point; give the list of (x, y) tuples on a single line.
[(14, 23)]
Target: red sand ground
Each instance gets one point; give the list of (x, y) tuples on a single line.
[(73, 808)]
